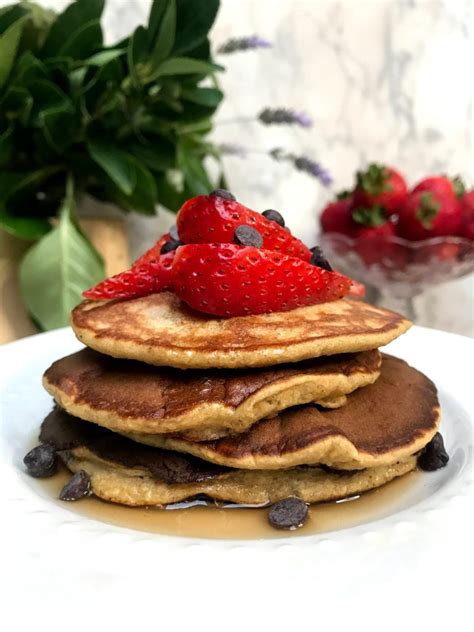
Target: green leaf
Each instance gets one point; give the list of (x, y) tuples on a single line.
[(144, 197), (84, 42), (18, 186), (116, 163), (102, 58), (29, 67), (158, 154), (155, 19), (29, 228), (6, 146), (16, 103), (185, 66), (162, 45), (193, 22), (170, 196), (10, 14), (210, 97), (57, 269), (136, 51), (8, 47), (57, 125), (196, 179), (72, 20)]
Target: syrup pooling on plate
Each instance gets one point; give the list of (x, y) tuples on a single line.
[(201, 519)]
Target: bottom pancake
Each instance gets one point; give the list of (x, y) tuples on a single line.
[(125, 472), (134, 486)]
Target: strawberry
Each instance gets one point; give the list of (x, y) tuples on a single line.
[(428, 214), (382, 186), (467, 215), (440, 185), (231, 280), (357, 289), (336, 216), (214, 219), (142, 279), (373, 231)]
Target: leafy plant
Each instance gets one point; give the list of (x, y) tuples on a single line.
[(125, 123)]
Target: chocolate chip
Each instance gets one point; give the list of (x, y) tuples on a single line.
[(78, 487), (41, 461), (248, 236), (434, 455), (170, 245), (290, 513), (318, 259), (274, 216), (222, 193), (173, 232)]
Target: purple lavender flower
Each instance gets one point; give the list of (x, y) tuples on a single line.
[(233, 149), (303, 163), (284, 116), (243, 43)]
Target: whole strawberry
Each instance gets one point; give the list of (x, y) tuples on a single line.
[(372, 232), (231, 280), (382, 186), (428, 214), (214, 219), (441, 185), (336, 216), (467, 215)]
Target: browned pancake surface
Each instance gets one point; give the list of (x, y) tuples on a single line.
[(160, 329), (135, 390)]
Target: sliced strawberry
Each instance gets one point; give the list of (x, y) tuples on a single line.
[(357, 289), (154, 252), (143, 279), (213, 219), (231, 280)]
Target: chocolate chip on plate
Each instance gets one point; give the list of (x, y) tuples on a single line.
[(222, 193), (274, 216), (173, 232), (41, 461), (433, 456), (78, 487), (290, 513), (318, 259), (170, 245), (248, 236)]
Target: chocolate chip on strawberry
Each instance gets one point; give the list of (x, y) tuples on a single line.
[(78, 487), (170, 245), (318, 259), (290, 513), (173, 232), (248, 236), (222, 193), (208, 220), (274, 216), (433, 456), (41, 461)]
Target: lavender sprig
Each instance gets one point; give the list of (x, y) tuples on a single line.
[(303, 163), (284, 116), (243, 43), (233, 149)]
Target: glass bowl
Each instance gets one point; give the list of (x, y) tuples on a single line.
[(397, 268)]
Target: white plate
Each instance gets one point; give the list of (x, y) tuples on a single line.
[(378, 575)]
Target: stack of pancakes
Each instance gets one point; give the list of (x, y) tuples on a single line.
[(167, 404)]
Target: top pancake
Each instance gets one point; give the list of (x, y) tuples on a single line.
[(159, 329)]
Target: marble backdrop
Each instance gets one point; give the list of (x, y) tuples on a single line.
[(384, 80)]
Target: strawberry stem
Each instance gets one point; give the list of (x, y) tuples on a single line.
[(427, 209), (374, 180), (372, 217)]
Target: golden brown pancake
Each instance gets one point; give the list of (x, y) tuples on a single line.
[(129, 396), (125, 472), (380, 424), (159, 329)]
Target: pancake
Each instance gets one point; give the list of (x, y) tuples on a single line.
[(159, 329), (125, 472), (381, 424), (129, 396)]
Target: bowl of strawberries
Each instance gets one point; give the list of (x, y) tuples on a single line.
[(400, 241)]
